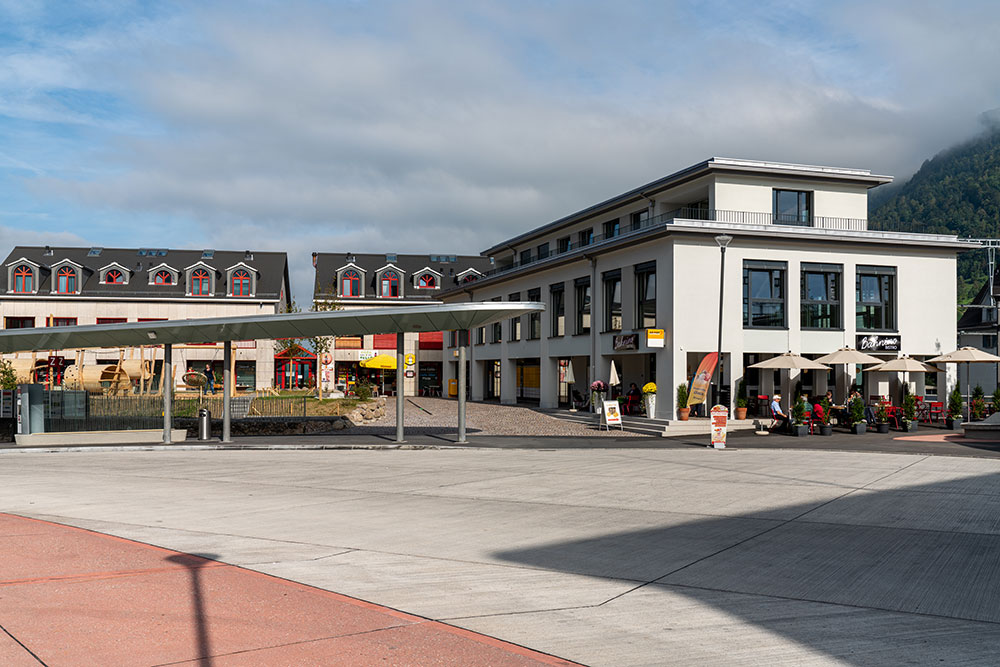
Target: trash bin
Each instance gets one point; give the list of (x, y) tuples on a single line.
[(204, 424), (453, 387)]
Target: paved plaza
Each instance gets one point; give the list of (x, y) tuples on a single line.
[(600, 556)]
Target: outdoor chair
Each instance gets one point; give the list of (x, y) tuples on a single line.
[(935, 411), (631, 406)]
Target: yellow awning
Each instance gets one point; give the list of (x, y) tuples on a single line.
[(383, 362)]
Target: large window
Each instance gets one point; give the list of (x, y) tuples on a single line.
[(496, 329), (583, 305), (241, 282), (525, 257), (876, 293), (24, 280), (18, 322), (611, 228), (792, 207), (562, 245), (350, 283), (645, 295), (535, 318), (638, 218), (163, 278), (586, 237), (201, 283), (613, 300), (764, 295), (114, 277), (515, 322), (427, 281), (390, 284), (821, 296), (543, 251), (558, 294), (63, 322), (66, 280)]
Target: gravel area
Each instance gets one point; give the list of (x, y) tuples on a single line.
[(440, 415)]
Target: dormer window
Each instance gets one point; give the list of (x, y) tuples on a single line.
[(350, 283), (240, 282), (163, 277), (390, 284), (201, 283), (162, 274), (66, 280), (427, 281), (114, 277), (471, 278), (24, 279)]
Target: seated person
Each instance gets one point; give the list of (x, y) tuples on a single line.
[(634, 398), (778, 415), (579, 402), (818, 412)]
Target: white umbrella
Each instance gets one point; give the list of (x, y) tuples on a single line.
[(790, 361), (613, 380), (569, 379), (847, 356), (905, 364), (970, 355)]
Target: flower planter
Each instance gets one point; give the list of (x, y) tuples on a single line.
[(800, 430), (683, 414), (882, 427), (910, 426), (650, 405), (741, 413), (954, 424), (859, 428), (826, 429)]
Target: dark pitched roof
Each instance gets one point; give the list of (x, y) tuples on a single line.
[(448, 266), (271, 267), (973, 318)]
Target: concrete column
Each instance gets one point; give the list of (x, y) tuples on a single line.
[(508, 379), (167, 382), (548, 383), (400, 371), (227, 388), (463, 347), (476, 367)]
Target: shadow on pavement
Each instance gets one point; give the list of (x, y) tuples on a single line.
[(194, 563)]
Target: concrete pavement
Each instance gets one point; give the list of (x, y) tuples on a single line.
[(601, 556)]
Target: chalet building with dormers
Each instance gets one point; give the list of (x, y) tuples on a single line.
[(60, 287), (356, 280)]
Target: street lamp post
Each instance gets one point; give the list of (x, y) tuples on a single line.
[(723, 240)]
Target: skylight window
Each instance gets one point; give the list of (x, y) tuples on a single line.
[(95, 252), (208, 254), (390, 258)]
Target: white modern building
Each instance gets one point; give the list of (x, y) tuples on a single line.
[(803, 273)]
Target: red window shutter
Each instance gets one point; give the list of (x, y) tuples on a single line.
[(431, 340), (384, 341)]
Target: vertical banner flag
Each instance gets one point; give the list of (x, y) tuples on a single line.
[(702, 379)]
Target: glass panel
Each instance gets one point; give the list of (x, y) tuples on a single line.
[(760, 284)]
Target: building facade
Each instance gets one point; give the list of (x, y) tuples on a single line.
[(357, 281), (50, 286), (803, 273), (978, 327)]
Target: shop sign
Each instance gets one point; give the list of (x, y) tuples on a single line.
[(409, 374), (720, 419), (410, 359), (364, 355), (612, 415), (655, 337), (879, 343), (626, 342)]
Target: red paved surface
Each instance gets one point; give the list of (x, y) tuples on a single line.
[(946, 437), (74, 597)]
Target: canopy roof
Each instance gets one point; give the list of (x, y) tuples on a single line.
[(440, 317)]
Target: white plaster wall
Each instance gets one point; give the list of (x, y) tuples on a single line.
[(750, 193)]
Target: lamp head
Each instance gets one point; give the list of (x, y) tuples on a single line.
[(723, 240)]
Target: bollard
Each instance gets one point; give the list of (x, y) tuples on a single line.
[(204, 424)]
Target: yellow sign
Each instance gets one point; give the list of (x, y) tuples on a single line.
[(655, 337), (410, 359)]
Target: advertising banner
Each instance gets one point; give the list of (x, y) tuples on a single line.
[(720, 419), (655, 337), (612, 414), (702, 379)]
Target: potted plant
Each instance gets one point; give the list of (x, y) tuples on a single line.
[(741, 400), (882, 418), (977, 404), (683, 411), (996, 400), (856, 414), (825, 428), (799, 411), (909, 412), (597, 389), (954, 421), (649, 396)]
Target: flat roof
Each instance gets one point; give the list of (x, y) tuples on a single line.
[(438, 317)]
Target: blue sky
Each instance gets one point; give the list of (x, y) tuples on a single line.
[(446, 126)]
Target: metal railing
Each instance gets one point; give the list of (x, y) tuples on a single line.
[(678, 216)]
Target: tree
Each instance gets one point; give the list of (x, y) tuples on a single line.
[(323, 302), (8, 376)]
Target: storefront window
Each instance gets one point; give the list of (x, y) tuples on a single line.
[(764, 295)]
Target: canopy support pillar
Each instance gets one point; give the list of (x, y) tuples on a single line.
[(227, 389), (463, 346), (399, 387), (167, 385)]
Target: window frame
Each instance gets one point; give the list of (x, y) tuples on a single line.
[(583, 306), (799, 220), (557, 305), (353, 278), (836, 304), (71, 276), (534, 318), (585, 237), (245, 282), (29, 282), (643, 272), (421, 281), (748, 300), (61, 322), (514, 330), (21, 320), (200, 282), (608, 280), (394, 279), (563, 245), (882, 273), (170, 278), (612, 228)]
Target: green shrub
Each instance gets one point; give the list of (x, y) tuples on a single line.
[(909, 407), (881, 414), (682, 395), (996, 399), (856, 410), (799, 411), (363, 390), (8, 377), (741, 394), (955, 404), (827, 406)]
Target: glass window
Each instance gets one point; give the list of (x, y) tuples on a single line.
[(876, 295), (201, 285), (611, 228), (241, 283), (63, 322), (525, 257), (24, 280), (583, 306), (613, 302), (764, 294), (18, 322), (515, 322), (65, 280), (586, 237), (543, 251), (350, 283), (111, 320), (558, 293), (645, 293), (535, 318), (821, 299), (480, 335), (390, 284), (496, 329), (562, 245), (163, 278), (638, 218), (427, 281), (114, 277), (792, 207)]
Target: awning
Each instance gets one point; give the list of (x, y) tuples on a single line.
[(381, 362), (354, 322)]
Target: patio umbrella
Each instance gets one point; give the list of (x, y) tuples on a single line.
[(613, 380), (790, 361), (569, 379), (382, 362), (905, 364), (848, 356), (970, 355)]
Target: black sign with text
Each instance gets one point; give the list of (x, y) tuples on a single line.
[(879, 343)]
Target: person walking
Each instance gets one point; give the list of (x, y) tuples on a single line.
[(210, 377)]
